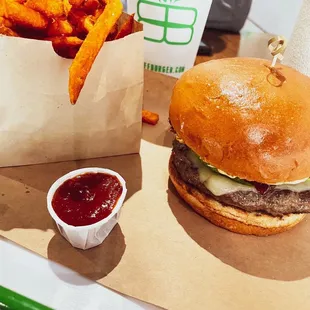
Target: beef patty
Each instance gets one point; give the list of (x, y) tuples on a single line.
[(273, 201)]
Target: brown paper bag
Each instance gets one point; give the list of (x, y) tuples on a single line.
[(38, 123)]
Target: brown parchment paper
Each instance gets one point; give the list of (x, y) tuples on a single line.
[(161, 251), (37, 122)]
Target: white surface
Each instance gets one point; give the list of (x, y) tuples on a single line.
[(275, 16), (86, 237), (250, 27), (40, 280), (297, 54)]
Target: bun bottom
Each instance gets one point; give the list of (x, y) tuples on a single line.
[(230, 218)]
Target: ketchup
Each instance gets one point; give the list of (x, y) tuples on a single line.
[(87, 198), (260, 187)]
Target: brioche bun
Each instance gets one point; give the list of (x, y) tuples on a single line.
[(233, 219), (246, 119)]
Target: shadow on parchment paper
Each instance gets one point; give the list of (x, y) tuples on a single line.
[(159, 134), (284, 257), (94, 263), (157, 94), (23, 192)]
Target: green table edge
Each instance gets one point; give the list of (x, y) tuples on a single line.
[(10, 300)]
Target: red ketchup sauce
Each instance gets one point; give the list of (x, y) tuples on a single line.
[(260, 187), (87, 199)]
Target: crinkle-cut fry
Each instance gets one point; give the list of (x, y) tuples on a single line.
[(67, 7), (91, 46), (23, 16), (50, 8), (60, 27), (7, 31), (127, 28), (149, 117)]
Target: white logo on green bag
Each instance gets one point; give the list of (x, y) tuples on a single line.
[(164, 21)]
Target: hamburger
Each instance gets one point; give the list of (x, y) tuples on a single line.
[(241, 154)]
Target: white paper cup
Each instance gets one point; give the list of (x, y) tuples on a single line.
[(172, 32), (86, 237)]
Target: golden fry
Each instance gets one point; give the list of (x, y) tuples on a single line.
[(91, 46), (60, 27), (23, 16), (82, 22), (70, 41), (88, 23), (66, 23), (5, 22), (90, 20), (76, 3), (76, 18), (67, 7), (66, 47), (90, 6), (50, 8), (97, 13), (127, 28), (3, 8), (7, 31), (149, 117)]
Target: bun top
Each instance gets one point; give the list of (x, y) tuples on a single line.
[(245, 118)]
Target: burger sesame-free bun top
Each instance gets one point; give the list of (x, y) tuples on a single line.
[(245, 118)]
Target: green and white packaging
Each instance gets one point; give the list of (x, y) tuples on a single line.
[(172, 32)]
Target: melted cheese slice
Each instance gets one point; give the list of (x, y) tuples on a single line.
[(219, 184), (216, 183), (300, 187)]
